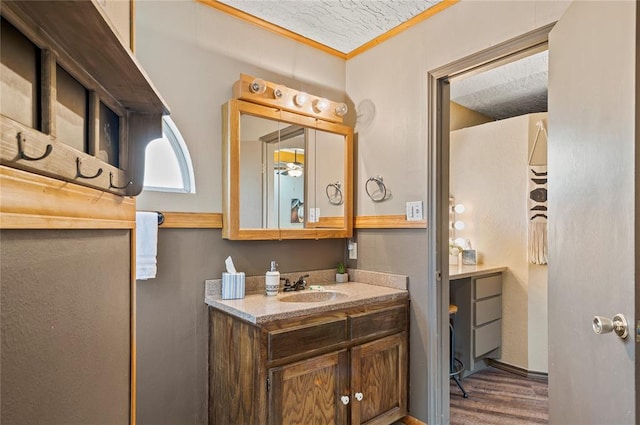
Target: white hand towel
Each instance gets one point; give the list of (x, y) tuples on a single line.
[(146, 245)]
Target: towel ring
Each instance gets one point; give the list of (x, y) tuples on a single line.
[(381, 188), (336, 198)]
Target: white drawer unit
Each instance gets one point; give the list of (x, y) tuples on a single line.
[(478, 321), (488, 310), (489, 286)]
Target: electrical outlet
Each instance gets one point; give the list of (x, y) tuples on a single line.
[(352, 247), (414, 211)]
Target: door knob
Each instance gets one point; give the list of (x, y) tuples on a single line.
[(345, 399), (603, 325), (359, 396)]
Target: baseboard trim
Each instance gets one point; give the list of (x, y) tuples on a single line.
[(541, 376), (410, 420)]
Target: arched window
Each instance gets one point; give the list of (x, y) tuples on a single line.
[(168, 165)]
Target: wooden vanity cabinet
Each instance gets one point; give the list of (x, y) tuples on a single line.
[(343, 367), (309, 391), (379, 373)]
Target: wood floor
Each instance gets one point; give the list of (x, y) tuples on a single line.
[(497, 397)]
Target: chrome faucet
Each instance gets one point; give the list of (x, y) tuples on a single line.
[(298, 285)]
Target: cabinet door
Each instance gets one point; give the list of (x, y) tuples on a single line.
[(310, 392), (378, 381)]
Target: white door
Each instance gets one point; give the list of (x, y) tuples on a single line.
[(593, 211)]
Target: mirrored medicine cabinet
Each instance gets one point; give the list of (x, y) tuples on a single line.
[(286, 175)]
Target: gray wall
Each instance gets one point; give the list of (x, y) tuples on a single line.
[(404, 251), (172, 326), (65, 304)]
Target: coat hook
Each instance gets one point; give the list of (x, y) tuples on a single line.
[(113, 186), (26, 157), (160, 218), (79, 173)]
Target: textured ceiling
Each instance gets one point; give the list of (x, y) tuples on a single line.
[(510, 90), (343, 25)]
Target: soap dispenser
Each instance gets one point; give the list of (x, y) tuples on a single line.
[(272, 280)]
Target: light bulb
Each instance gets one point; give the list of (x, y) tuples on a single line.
[(300, 98), (459, 208), (459, 225), (320, 105), (257, 86), (295, 173), (278, 92), (341, 110)]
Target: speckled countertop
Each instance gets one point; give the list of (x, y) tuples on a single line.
[(460, 272), (258, 308)]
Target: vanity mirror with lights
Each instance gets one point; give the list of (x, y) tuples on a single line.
[(287, 164)]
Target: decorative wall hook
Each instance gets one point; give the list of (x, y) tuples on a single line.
[(113, 186), (26, 157), (84, 176)]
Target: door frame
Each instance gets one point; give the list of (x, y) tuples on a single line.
[(438, 203)]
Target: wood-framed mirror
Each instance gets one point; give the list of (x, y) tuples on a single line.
[(286, 175)]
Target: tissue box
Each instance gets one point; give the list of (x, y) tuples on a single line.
[(232, 285)]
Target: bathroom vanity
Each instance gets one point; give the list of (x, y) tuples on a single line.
[(336, 355), (477, 291)]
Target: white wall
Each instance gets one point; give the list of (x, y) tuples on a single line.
[(194, 54), (394, 76), (119, 13), (488, 175)]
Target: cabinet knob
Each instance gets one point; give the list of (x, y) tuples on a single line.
[(345, 399), (359, 396)]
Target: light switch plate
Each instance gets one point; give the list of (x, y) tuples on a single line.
[(314, 215), (414, 211)]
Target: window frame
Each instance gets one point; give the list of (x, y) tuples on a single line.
[(171, 133)]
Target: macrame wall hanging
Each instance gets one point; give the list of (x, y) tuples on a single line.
[(537, 204)]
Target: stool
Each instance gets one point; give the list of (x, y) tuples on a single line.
[(456, 367)]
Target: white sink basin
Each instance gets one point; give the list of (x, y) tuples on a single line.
[(312, 296)]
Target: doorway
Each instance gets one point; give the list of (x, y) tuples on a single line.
[(439, 158), (498, 281)]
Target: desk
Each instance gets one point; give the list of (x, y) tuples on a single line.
[(477, 291)]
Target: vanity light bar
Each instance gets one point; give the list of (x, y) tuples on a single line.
[(266, 93)]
